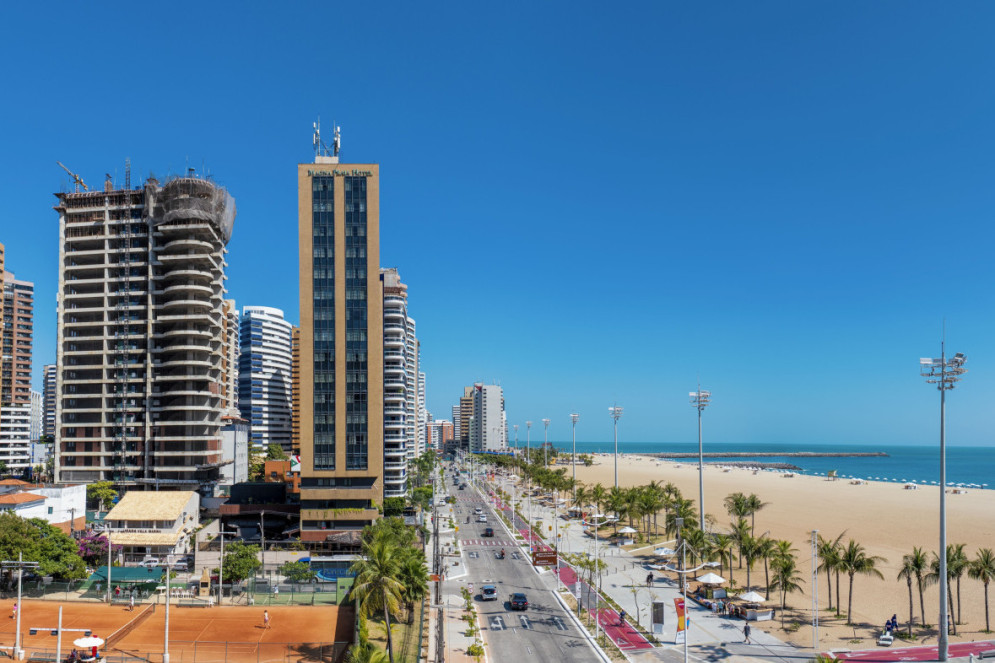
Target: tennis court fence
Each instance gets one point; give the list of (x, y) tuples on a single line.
[(218, 652)]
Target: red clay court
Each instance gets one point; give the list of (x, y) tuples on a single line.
[(205, 635)]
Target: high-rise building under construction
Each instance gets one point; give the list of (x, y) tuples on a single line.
[(145, 357)]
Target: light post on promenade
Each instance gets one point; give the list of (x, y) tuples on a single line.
[(528, 463), (573, 418), (545, 444), (944, 373), (597, 596), (515, 426), (700, 400), (615, 412)]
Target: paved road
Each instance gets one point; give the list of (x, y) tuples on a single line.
[(542, 633)]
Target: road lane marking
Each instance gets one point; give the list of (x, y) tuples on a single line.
[(559, 624), (525, 622), (497, 623)]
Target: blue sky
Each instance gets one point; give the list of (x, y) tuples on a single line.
[(589, 202)]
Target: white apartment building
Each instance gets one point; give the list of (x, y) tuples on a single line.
[(36, 415), (15, 436), (411, 387), (488, 428), (48, 400), (235, 446), (265, 389), (396, 392)]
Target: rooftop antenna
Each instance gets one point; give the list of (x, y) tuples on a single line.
[(337, 140), (320, 148), (316, 137)]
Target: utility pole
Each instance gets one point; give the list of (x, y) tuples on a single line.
[(262, 538), (20, 565), (221, 565), (165, 640), (574, 417)]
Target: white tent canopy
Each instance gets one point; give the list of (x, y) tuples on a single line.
[(627, 530), (664, 551), (751, 597), (711, 579)]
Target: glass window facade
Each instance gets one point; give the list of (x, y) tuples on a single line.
[(357, 367), (323, 245)]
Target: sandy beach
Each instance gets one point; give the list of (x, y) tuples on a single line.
[(885, 518)]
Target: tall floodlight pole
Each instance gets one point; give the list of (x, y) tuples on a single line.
[(545, 443), (815, 591), (615, 412), (944, 374), (515, 426), (528, 461), (573, 418), (700, 399)]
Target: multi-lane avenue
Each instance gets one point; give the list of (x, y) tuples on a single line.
[(544, 632)]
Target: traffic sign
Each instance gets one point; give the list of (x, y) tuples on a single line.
[(544, 558)]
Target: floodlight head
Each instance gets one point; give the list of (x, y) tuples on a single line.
[(528, 424), (545, 422)]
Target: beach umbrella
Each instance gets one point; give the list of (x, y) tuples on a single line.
[(89, 641), (751, 597), (627, 530), (664, 551), (711, 579)]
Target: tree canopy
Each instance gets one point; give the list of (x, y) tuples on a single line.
[(240, 561), (101, 493), (56, 552)]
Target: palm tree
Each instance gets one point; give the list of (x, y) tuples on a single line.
[(722, 546), (754, 504), (828, 556), (680, 508), (583, 496), (740, 531), (853, 560), (933, 577), (737, 504), (908, 572), (983, 569), (785, 579), (617, 505), (660, 501), (649, 504), (366, 653), (919, 563), (767, 551), (960, 564), (413, 576), (376, 586), (750, 549), (599, 496)]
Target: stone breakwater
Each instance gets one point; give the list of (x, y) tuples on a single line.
[(769, 454)]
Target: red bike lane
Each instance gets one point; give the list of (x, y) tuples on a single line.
[(957, 650)]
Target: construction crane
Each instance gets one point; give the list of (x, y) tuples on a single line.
[(77, 180)]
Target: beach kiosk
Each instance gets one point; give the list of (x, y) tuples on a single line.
[(752, 610)]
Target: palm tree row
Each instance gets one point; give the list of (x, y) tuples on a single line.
[(391, 573)]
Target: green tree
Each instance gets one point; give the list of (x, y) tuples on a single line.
[(56, 553), (241, 561), (275, 452), (828, 551), (754, 504), (393, 507), (785, 579), (297, 572), (959, 564), (376, 586), (983, 568), (933, 577), (413, 575), (855, 560), (907, 572), (740, 531), (366, 653), (102, 494)]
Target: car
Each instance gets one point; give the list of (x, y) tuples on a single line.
[(478, 511), (488, 593), (149, 562), (488, 531), (462, 487), (519, 602), (481, 518)]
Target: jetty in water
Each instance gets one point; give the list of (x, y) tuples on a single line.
[(771, 454)]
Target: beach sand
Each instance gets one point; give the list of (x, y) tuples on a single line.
[(884, 517)]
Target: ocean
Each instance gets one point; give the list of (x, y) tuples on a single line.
[(965, 465)]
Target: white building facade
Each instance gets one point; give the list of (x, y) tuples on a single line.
[(235, 448), (397, 426), (488, 429), (48, 400), (265, 390)]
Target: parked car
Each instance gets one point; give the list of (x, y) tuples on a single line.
[(488, 593), (488, 531), (519, 602), (478, 511), (481, 518), (149, 562)]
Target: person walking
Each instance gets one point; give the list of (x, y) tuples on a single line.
[(265, 618), (746, 633)]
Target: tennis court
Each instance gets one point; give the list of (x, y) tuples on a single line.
[(204, 635)]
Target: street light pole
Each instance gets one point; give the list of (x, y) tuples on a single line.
[(528, 461), (700, 399), (597, 567), (615, 412), (165, 641), (515, 426), (945, 375), (573, 418), (221, 566), (545, 443)]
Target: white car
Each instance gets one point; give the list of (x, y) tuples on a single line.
[(481, 518), (478, 511)]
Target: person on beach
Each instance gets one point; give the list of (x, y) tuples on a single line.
[(131, 603), (265, 618), (746, 633)]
